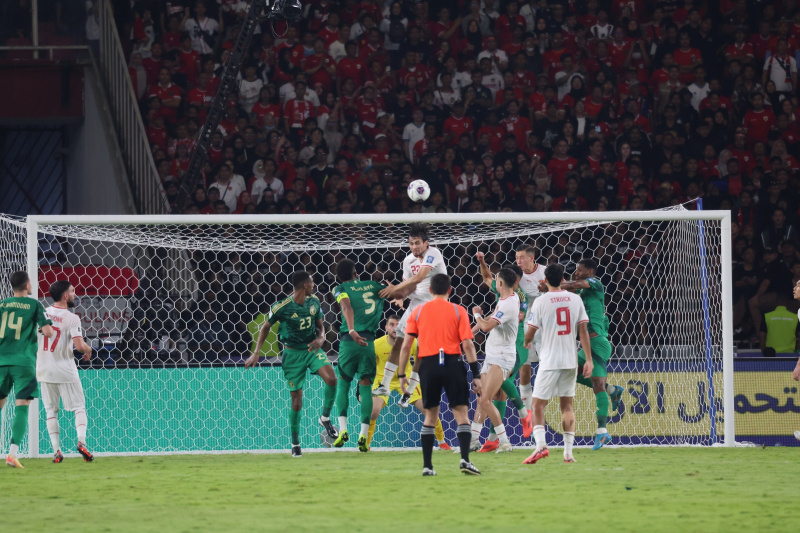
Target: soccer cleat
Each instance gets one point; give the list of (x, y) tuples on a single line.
[(380, 390), (536, 456), (13, 462), (616, 397), (296, 451), (797, 434), (332, 432), (601, 440), (474, 445), (444, 446), (362, 443), (489, 446), (504, 447), (469, 468), (570, 459), (87, 456), (341, 439), (58, 458), (428, 472), (527, 425), (403, 402)]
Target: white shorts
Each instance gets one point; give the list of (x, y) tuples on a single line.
[(533, 351), (487, 365), (401, 325), (558, 383), (70, 394)]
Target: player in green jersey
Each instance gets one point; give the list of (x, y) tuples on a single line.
[(362, 310), (592, 292), (302, 334), (20, 318), (508, 389)]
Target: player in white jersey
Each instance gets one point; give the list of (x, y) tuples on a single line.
[(558, 314), (532, 275), (501, 355), (796, 372), (56, 370), (419, 267)]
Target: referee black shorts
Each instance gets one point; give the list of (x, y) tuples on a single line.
[(452, 377)]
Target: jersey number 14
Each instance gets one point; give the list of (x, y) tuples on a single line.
[(15, 325)]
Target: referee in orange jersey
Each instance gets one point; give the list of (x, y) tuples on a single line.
[(442, 329)]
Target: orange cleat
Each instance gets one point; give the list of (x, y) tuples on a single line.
[(87, 456), (536, 456), (527, 425), (13, 462), (489, 446), (444, 446), (570, 459)]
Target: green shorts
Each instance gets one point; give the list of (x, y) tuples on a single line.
[(297, 362), (601, 353), (355, 360), (22, 378)]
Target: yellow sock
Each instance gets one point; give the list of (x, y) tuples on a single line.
[(439, 431), (371, 431)]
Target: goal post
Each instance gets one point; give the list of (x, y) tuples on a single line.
[(170, 303)]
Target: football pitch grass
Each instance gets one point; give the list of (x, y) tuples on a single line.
[(616, 490)]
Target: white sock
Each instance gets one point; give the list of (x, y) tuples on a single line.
[(80, 425), (53, 430), (476, 430), (13, 450), (526, 393), (388, 373), (601, 431), (610, 389), (540, 437), (492, 436), (569, 440), (523, 412), (413, 381), (501, 434), (342, 424), (324, 418), (364, 429)]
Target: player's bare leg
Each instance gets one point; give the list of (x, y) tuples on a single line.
[(500, 402), (390, 368), (539, 433), (568, 425), (491, 381), (377, 406), (525, 388)]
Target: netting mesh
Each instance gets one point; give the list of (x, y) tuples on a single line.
[(172, 311)]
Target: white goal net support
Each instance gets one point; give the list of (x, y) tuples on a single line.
[(171, 305)]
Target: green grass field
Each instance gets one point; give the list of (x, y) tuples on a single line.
[(618, 490)]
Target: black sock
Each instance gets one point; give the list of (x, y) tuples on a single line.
[(464, 433), (428, 438)]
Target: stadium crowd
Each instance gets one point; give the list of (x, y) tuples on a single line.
[(508, 106)]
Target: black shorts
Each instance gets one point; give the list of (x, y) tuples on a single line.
[(452, 377)]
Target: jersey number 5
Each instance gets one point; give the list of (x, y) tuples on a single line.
[(16, 325), (368, 299), (562, 319), (52, 347)]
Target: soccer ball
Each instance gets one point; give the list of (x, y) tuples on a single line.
[(418, 191)]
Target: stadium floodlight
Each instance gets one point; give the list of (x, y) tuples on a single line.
[(170, 303)]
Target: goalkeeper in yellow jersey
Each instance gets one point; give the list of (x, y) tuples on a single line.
[(383, 348)]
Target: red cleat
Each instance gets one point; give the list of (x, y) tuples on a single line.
[(535, 456), (527, 425), (87, 456), (489, 446), (444, 446), (570, 460)]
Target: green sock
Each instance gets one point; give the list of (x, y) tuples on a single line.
[(330, 397), (602, 408), (294, 425), (585, 382), (512, 392), (20, 425), (501, 406), (366, 402), (342, 396)]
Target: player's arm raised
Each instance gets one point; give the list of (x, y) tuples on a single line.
[(486, 272), (262, 336), (406, 287), (349, 318), (485, 324), (82, 347), (575, 285), (583, 334), (317, 343)]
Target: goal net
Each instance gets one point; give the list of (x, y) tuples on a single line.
[(171, 306)]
